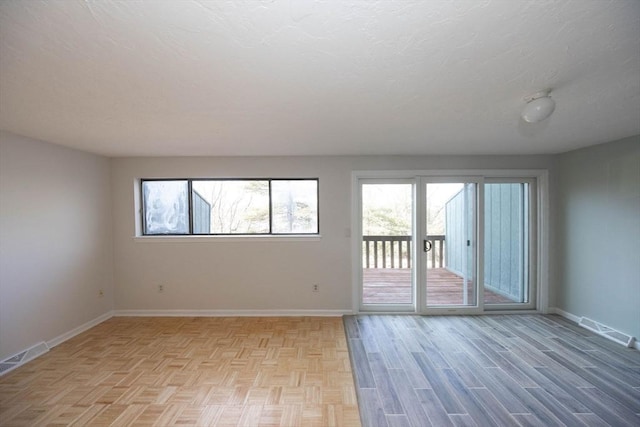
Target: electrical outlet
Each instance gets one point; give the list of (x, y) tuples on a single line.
[(100, 293), (160, 288), (315, 287)]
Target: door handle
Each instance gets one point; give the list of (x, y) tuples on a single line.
[(427, 245)]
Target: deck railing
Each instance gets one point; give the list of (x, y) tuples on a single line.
[(395, 251)]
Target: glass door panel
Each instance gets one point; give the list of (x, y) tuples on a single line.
[(507, 226), (449, 244), (386, 249)]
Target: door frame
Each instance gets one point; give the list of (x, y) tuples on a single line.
[(541, 232)]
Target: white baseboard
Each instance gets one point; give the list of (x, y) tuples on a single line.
[(39, 349), (231, 313), (565, 314), (577, 319), (80, 329)]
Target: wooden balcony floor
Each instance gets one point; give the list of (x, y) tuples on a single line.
[(393, 286)]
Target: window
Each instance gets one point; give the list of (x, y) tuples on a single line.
[(230, 206)]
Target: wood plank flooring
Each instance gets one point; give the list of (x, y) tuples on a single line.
[(189, 371), (516, 370)]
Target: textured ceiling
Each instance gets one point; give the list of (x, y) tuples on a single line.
[(318, 77)]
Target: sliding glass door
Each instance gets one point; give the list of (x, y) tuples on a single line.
[(445, 244)]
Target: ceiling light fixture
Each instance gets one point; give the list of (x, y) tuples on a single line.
[(539, 107)]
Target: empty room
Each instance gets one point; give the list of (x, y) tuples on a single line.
[(319, 213)]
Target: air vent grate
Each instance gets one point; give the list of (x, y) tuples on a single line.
[(21, 358), (607, 332)]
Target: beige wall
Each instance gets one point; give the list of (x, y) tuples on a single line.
[(599, 234), (55, 241), (67, 230), (254, 275)]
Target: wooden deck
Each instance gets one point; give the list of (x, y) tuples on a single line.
[(393, 286)]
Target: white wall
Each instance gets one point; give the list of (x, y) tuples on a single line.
[(599, 234), (55, 241), (254, 275)]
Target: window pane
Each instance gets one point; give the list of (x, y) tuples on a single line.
[(166, 207), (295, 206), (230, 207), (451, 235), (387, 226)]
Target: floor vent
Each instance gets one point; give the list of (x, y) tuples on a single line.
[(607, 332), (21, 358)]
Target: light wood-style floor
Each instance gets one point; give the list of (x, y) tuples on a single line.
[(506, 370), (189, 371)]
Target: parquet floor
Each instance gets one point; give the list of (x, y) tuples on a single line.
[(189, 371), (518, 370)]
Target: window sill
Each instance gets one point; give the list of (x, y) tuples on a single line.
[(243, 238)]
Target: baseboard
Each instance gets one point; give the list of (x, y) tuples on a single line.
[(231, 313), (22, 357), (565, 314), (80, 329), (577, 319)]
